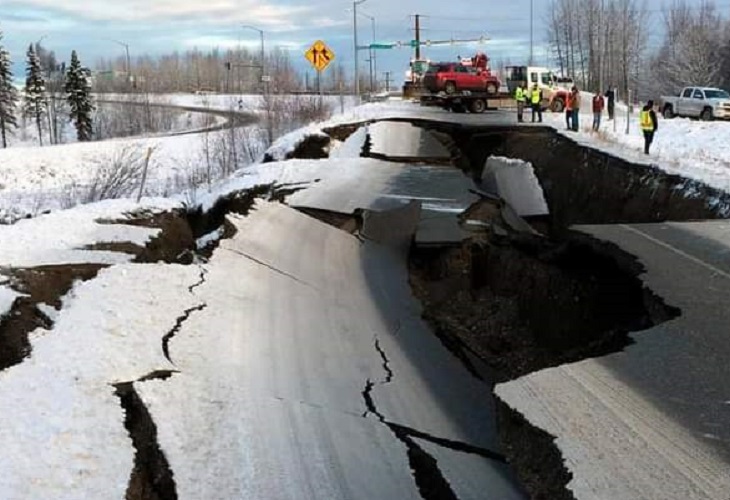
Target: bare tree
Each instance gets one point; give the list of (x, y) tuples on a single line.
[(691, 52), (599, 41), (725, 56)]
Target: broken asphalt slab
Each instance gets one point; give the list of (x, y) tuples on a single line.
[(272, 372)]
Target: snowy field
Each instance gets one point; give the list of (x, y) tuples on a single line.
[(690, 148), (37, 179), (33, 180)]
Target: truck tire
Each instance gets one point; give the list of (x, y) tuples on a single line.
[(492, 89), (478, 106), (450, 88), (668, 112), (558, 105), (706, 115)]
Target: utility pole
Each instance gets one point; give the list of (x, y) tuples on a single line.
[(418, 36), (373, 57), (370, 63), (387, 80), (532, 36), (354, 33), (601, 50), (263, 57)]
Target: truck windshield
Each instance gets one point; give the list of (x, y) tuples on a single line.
[(716, 94)]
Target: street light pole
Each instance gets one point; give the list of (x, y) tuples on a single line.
[(373, 57), (354, 32), (263, 56)]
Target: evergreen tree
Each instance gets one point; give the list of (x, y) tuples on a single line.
[(8, 94), (78, 95), (35, 91)]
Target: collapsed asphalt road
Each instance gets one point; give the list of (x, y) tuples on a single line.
[(301, 361)]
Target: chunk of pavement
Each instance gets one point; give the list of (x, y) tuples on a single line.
[(400, 140), (439, 228), (352, 147), (393, 228), (515, 181), (514, 221)]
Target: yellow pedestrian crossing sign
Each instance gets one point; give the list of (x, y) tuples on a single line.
[(319, 55)]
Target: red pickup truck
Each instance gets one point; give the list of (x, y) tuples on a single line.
[(455, 77)]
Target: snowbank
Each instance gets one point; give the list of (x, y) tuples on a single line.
[(63, 430), (7, 299), (60, 237), (693, 149)]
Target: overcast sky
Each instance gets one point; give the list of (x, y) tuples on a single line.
[(159, 26)]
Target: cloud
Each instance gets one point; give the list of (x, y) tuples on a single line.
[(207, 11), (23, 18)]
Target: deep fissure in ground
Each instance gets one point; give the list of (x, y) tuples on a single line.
[(509, 303), (151, 477), (516, 303), (522, 302)]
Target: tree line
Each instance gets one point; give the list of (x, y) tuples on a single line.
[(607, 43), (46, 82), (215, 70)]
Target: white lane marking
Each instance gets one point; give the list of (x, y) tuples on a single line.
[(677, 251)]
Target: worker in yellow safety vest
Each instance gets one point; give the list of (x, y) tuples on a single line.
[(649, 125), (536, 102), (521, 98)]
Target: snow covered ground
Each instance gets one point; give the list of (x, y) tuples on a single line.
[(690, 148), (62, 429), (7, 298), (60, 237), (37, 179)]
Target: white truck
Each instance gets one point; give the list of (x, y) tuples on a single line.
[(705, 103), (555, 89)]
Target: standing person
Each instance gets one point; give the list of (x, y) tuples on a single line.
[(611, 98), (576, 110), (598, 105), (649, 124), (569, 111), (521, 98), (536, 101)]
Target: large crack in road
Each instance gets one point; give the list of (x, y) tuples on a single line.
[(518, 304), (431, 483)]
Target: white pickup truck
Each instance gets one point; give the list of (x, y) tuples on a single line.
[(704, 103)]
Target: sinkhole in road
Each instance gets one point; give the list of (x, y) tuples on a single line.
[(584, 185), (511, 305), (509, 302)]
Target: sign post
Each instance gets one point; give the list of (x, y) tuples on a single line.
[(319, 56)]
